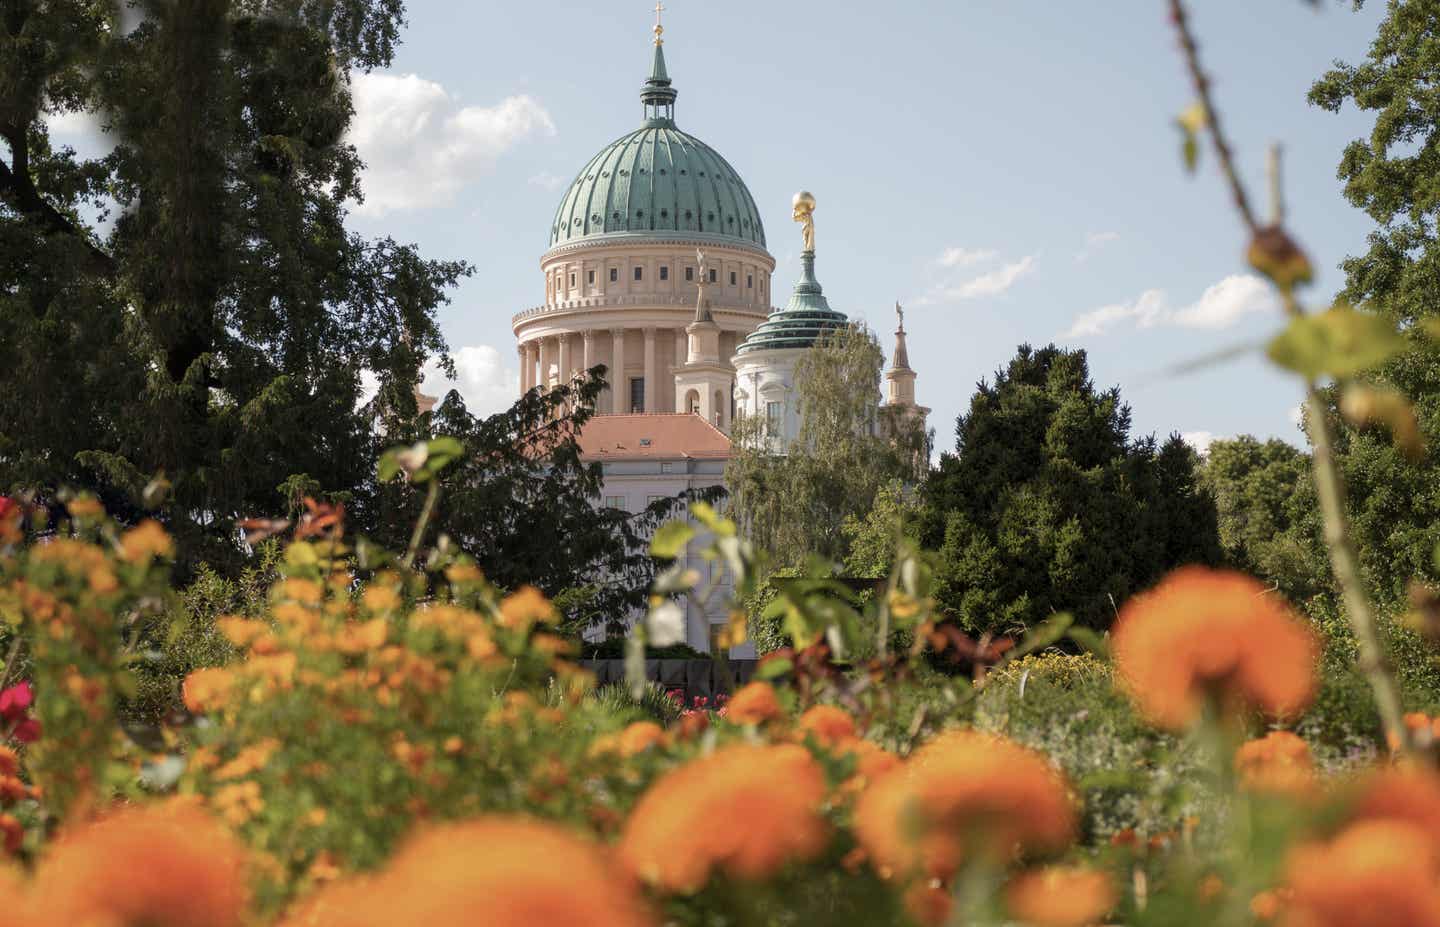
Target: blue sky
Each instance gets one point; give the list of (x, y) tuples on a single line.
[(1007, 168)]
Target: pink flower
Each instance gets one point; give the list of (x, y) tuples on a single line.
[(16, 700), (27, 731)]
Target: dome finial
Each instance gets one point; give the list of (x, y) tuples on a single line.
[(804, 206), (657, 95)]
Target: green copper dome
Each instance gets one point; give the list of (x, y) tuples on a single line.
[(657, 181), (805, 318)]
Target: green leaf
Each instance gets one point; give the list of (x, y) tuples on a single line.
[(444, 450), (1339, 343), (670, 539), (389, 466), (1091, 641), (772, 669), (1047, 633)]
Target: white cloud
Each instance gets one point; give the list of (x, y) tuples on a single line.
[(1221, 306), (421, 147), (965, 257), (1200, 440), (988, 284), (547, 181), (1094, 242), (484, 382)]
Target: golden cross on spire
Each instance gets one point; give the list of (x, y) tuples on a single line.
[(659, 29)]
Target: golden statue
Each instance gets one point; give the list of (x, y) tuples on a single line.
[(804, 204)]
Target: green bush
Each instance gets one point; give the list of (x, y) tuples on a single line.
[(1129, 775)]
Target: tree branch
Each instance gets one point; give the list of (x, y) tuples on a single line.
[(18, 191)]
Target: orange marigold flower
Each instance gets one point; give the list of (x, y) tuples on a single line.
[(12, 790), (207, 689), (165, 865), (145, 542), (12, 833), (1203, 631), (963, 785), (746, 809), (1409, 795), (755, 703), (379, 597), (496, 871), (9, 761), (1060, 896), (1374, 872), (355, 639), (1277, 763), (928, 904), (1267, 905), (828, 724), (639, 737), (526, 606)]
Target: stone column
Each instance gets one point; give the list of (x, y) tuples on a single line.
[(619, 389), (566, 370), (532, 361), (520, 352), (588, 348), (650, 374), (682, 348)]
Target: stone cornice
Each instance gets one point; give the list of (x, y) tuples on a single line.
[(637, 301), (687, 240)]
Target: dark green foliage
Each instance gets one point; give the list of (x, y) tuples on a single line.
[(523, 503), (1047, 505), (613, 648), (1269, 516), (1390, 174), (216, 333)]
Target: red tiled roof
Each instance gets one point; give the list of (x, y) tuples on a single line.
[(648, 435)]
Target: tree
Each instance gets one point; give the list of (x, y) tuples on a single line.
[(523, 503), (795, 504), (1390, 174), (216, 333), (1269, 519), (1047, 505)]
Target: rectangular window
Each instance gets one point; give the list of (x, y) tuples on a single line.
[(572, 280), (772, 418), (637, 394), (614, 274), (664, 272), (615, 502), (714, 275), (689, 273), (667, 467), (639, 273), (732, 278), (590, 277), (716, 631), (749, 281)]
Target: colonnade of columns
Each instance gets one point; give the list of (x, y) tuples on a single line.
[(550, 361)]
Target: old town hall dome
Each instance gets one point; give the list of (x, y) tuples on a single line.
[(657, 182)]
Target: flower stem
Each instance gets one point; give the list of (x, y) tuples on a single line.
[(422, 522), (1329, 485)]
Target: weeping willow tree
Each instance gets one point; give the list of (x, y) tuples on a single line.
[(794, 502)]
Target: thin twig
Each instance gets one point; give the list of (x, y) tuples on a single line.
[(1329, 484), (10, 660), (1212, 115)]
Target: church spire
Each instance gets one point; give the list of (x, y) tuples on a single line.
[(901, 360), (657, 95), (900, 376)]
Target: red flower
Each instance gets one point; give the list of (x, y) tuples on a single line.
[(27, 731), (16, 700), (7, 505)]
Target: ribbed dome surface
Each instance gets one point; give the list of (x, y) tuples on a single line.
[(657, 180), (805, 318)]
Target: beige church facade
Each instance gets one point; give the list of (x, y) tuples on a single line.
[(658, 269)]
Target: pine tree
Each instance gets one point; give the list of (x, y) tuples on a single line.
[(1047, 505)]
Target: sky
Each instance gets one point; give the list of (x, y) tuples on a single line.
[(1008, 169)]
